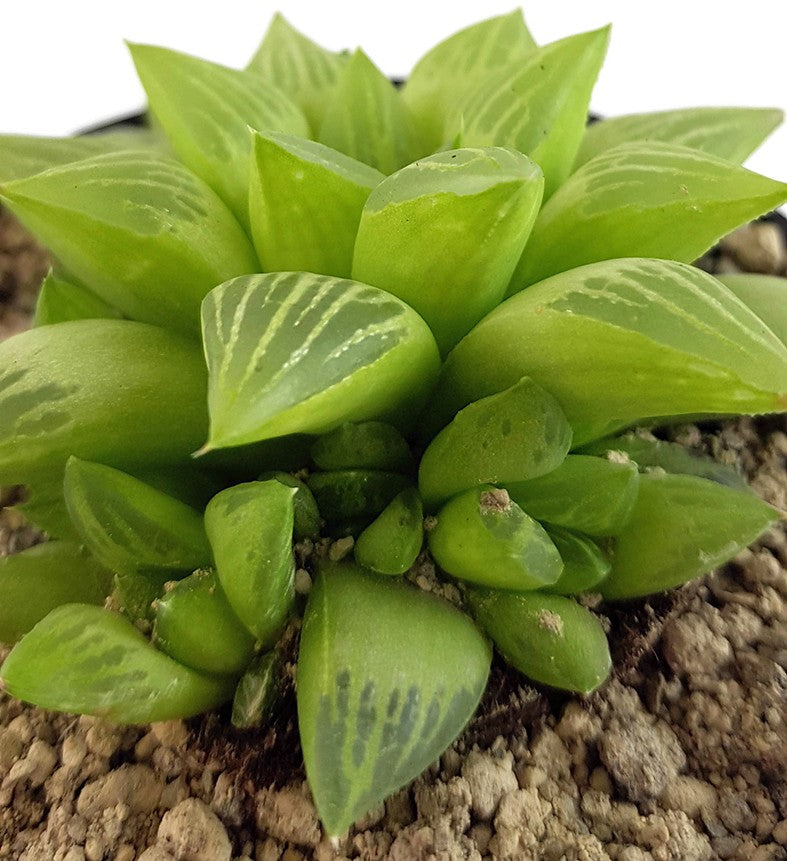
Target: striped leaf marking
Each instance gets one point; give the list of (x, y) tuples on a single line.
[(729, 133), (643, 200), (141, 231), (295, 352), (661, 337), (387, 677), (206, 111)]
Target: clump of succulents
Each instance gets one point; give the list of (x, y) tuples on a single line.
[(450, 299)]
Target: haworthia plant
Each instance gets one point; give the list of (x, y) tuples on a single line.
[(766, 295), (59, 301)]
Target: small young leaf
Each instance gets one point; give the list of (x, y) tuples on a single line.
[(302, 69), (306, 516), (124, 224), (374, 711), (25, 155), (682, 526), (588, 494), (540, 108), (391, 542), (86, 660), (196, 626), (129, 525), (643, 200), (765, 295), (444, 234), (59, 301), (294, 352), (442, 77), (257, 691), (662, 338), (729, 133), (363, 445), (549, 638), (517, 434), (206, 110), (135, 594), (250, 529), (35, 581), (483, 537), (305, 203), (584, 563), (367, 119)]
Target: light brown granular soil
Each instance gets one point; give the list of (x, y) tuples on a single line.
[(681, 755)]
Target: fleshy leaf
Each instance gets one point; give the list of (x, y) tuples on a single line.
[(540, 108), (388, 676), (206, 110), (305, 203), (367, 119), (643, 200), (682, 527), (124, 224), (294, 352), (35, 581), (129, 525), (302, 69), (392, 541), (584, 563), (306, 516), (257, 692), (444, 234), (59, 301), (729, 133), (443, 76), (363, 445), (662, 339), (86, 660), (765, 295)]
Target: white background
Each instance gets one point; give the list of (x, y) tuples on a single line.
[(63, 65)]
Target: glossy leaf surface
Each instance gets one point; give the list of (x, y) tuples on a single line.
[(206, 111), (387, 677), (765, 295), (549, 638), (305, 202), (682, 526), (584, 563), (124, 224), (588, 494), (517, 434), (391, 543), (643, 200), (256, 694), (299, 353), (58, 301), (250, 529), (362, 445), (662, 338), (445, 233)]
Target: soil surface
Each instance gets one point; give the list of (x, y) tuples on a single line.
[(681, 755)]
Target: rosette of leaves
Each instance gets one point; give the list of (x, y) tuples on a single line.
[(313, 306)]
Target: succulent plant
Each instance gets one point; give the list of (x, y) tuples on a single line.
[(451, 299)]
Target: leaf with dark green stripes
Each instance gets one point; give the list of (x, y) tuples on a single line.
[(729, 133), (206, 111), (388, 676), (294, 352), (643, 200), (59, 301), (305, 202)]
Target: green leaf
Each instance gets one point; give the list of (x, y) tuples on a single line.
[(305, 203), (391, 543), (257, 692), (588, 494), (363, 445), (643, 200), (250, 529), (662, 339), (300, 353), (765, 295), (549, 638), (584, 563), (35, 581), (86, 660), (374, 711), (124, 224), (302, 69), (306, 516), (517, 434), (483, 537), (442, 78), (136, 592), (729, 133), (367, 119), (206, 110), (59, 301), (129, 525), (541, 108), (444, 234), (121, 393), (681, 528), (195, 625)]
